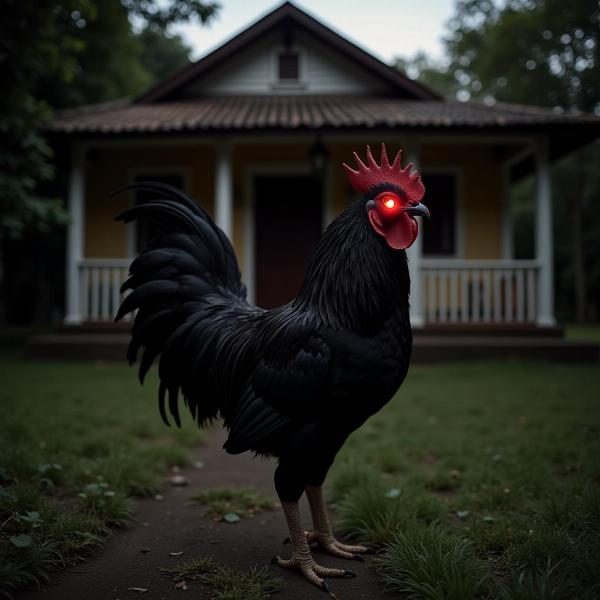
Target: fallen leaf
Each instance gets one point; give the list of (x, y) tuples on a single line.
[(139, 590), (175, 553), (231, 518), (159, 497), (392, 493), (198, 465), (462, 514), (181, 585), (21, 541), (488, 519), (179, 480)]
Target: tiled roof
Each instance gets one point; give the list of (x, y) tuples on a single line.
[(259, 113)]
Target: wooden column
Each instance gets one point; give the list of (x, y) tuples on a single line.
[(414, 253), (224, 190), (75, 235), (543, 235)]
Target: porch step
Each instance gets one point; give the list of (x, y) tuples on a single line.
[(432, 349), (112, 346)]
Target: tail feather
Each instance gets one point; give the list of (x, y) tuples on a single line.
[(174, 285)]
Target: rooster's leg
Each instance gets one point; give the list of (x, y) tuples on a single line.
[(301, 556), (322, 533)]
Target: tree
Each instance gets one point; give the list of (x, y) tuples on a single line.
[(60, 53), (546, 53)]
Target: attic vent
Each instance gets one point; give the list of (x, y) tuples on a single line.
[(289, 66)]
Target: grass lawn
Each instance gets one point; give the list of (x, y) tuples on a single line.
[(480, 480), (77, 440), (583, 333)]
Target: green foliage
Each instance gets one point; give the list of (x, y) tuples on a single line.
[(429, 563), (76, 441), (64, 53), (226, 583), (542, 52), (220, 502), (499, 472), (161, 15)]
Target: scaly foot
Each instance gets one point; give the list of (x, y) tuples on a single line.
[(312, 571), (329, 544)]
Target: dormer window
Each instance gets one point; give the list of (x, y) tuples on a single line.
[(288, 66)]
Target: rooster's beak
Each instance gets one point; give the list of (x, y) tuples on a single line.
[(419, 210)]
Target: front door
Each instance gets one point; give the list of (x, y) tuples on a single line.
[(287, 227)]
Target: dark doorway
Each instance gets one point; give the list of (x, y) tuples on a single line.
[(287, 227)]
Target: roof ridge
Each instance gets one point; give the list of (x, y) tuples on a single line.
[(287, 10)]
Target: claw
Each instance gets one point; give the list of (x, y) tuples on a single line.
[(287, 540), (275, 560), (349, 574), (370, 550), (326, 588), (358, 557)]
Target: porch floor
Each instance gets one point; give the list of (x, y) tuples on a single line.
[(432, 344)]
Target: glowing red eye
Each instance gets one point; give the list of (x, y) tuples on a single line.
[(389, 202)]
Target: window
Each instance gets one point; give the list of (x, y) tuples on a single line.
[(288, 66), (439, 232), (145, 230)]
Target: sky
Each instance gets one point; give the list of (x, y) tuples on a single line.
[(386, 28)]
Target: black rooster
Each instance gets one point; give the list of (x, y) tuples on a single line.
[(295, 381)]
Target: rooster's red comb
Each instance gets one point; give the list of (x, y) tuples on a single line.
[(368, 176)]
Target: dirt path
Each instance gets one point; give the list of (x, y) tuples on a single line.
[(174, 524)]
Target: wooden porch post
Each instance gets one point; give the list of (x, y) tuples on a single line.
[(543, 234), (414, 253), (75, 235), (224, 190)]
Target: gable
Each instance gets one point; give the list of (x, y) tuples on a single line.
[(246, 64), (255, 71)]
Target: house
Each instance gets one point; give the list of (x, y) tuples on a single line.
[(257, 131)]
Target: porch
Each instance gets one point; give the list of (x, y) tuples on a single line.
[(453, 292), (480, 285)]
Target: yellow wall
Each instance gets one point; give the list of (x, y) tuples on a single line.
[(480, 187), (111, 168)]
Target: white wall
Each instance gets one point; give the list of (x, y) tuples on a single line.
[(322, 71)]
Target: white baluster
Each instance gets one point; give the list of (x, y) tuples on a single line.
[(443, 295), (105, 293), (95, 293), (453, 296), (497, 296), (475, 310), (508, 296), (486, 276), (531, 299), (85, 292)]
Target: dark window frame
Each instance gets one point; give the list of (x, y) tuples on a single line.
[(296, 68), (456, 246)]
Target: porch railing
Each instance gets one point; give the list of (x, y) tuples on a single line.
[(454, 291), (479, 291), (100, 280)]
